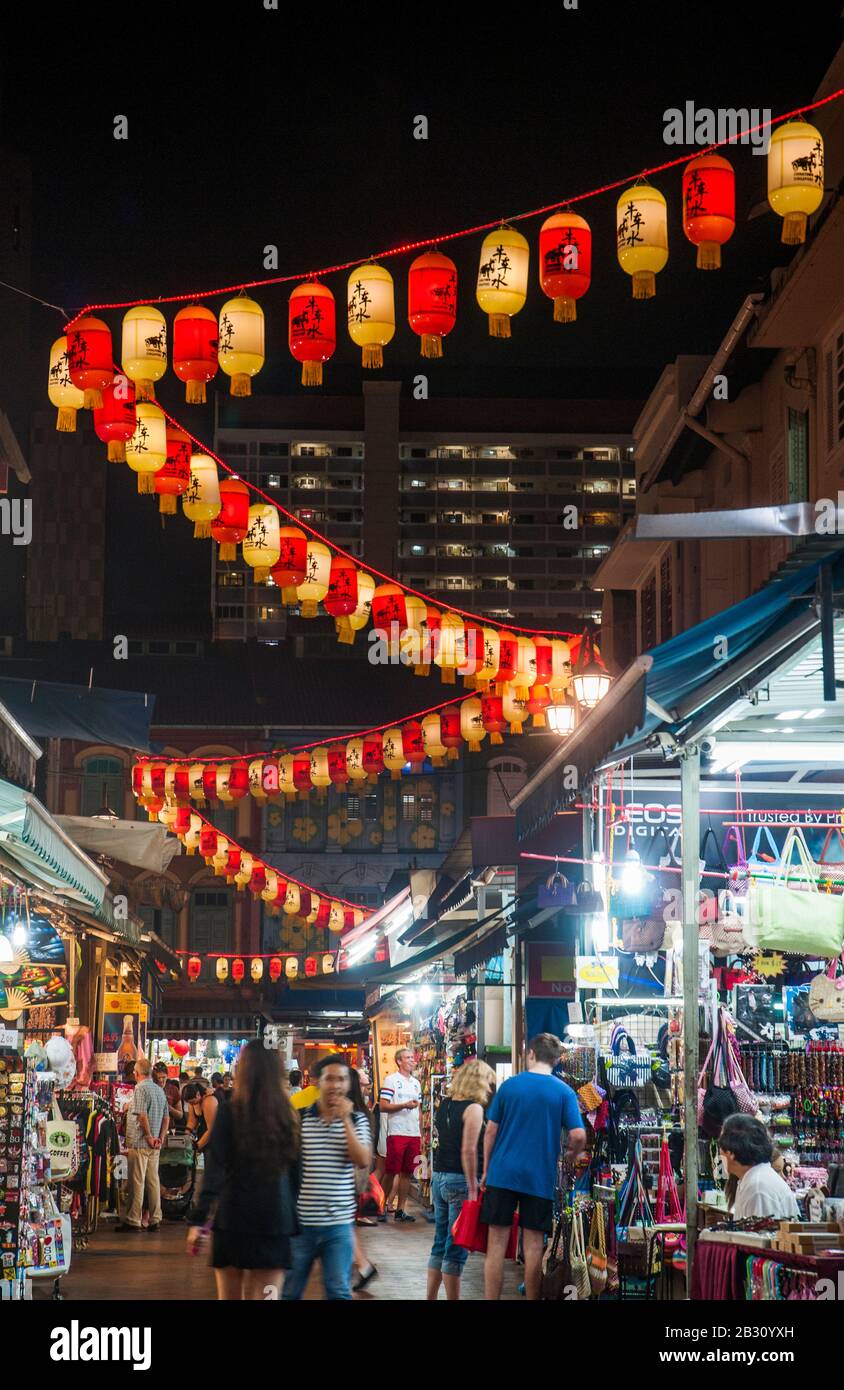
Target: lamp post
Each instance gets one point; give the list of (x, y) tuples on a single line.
[(590, 677)]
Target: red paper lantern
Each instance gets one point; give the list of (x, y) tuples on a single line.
[(238, 783), (337, 770), (544, 660), (450, 732), (413, 745), (473, 645), (232, 522), (258, 881), (116, 420), (195, 336), (430, 636), (302, 773), (373, 756), (90, 359), (238, 971), (342, 596), (312, 330), (173, 479), (232, 865), (538, 700), (565, 262), (305, 902), (310, 966), (275, 969), (348, 918), (432, 300), (292, 564), (492, 714), (194, 971), (323, 915), (508, 654), (181, 822), (208, 842), (389, 613), (209, 783), (709, 207)]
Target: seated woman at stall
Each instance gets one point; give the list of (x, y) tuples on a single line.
[(747, 1152)]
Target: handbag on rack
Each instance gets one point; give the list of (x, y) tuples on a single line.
[(626, 1069), (577, 1258), (727, 936), (763, 861), (586, 901), (596, 1250), (556, 892), (826, 993), (715, 1101), (64, 1145), (556, 1267), (737, 874), (832, 870), (803, 920)]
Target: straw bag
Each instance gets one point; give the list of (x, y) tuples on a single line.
[(577, 1259), (596, 1251), (556, 1270), (826, 993), (801, 920), (590, 1097)]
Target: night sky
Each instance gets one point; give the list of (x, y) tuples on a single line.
[(249, 127)]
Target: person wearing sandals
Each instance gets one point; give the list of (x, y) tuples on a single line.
[(458, 1159)]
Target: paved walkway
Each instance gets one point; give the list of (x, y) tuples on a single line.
[(157, 1266)]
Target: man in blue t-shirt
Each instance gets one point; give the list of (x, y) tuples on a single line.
[(521, 1146)]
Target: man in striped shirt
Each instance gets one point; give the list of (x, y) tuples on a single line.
[(336, 1140)]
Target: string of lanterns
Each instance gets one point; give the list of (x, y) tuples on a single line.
[(235, 967), (536, 690)]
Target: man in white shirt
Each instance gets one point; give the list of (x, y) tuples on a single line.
[(747, 1151), (399, 1100)]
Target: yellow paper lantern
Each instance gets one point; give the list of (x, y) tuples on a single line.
[(256, 969), (146, 451), (143, 352), (190, 839), (244, 873), (515, 709), (270, 887), (472, 724), (222, 969), (328, 964), (292, 900), (435, 749), (393, 752), (201, 502), (262, 542), (525, 671), (241, 342), (314, 912), (412, 638), (66, 397), (795, 177), (450, 646), (642, 236), (502, 278), (490, 658), (356, 621), (314, 586), (354, 760), (560, 664), (286, 783), (371, 311), (291, 967), (336, 917), (320, 777), (256, 779)]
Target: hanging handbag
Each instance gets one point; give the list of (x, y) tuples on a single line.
[(631, 1069), (596, 1250), (745, 1099), (612, 1253), (641, 935), (64, 1144), (556, 892), (577, 1258), (737, 874), (826, 993), (556, 1267), (715, 1101), (586, 901), (763, 861), (833, 870), (803, 920), (727, 936)]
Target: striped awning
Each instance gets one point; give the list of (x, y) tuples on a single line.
[(205, 1026)]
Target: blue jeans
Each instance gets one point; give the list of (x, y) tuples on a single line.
[(334, 1246), (448, 1191)]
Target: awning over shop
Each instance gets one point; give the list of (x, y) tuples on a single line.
[(675, 681), (492, 943), (43, 853), (18, 752), (205, 1026), (144, 845), (49, 709)]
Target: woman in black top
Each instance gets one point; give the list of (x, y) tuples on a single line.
[(458, 1158), (250, 1180)]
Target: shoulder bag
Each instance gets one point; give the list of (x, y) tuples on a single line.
[(801, 920), (556, 892), (577, 1259), (596, 1250), (556, 1268)]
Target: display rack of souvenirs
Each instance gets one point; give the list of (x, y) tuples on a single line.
[(91, 1182), (33, 1238), (432, 1074)]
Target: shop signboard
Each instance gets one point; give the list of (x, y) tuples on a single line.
[(105, 1061), (596, 972), (551, 970)]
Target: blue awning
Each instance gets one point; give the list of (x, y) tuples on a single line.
[(49, 709), (658, 690), (43, 855)]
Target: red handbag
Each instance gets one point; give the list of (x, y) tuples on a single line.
[(471, 1232)]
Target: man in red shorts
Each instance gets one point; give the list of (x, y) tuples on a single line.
[(399, 1100)]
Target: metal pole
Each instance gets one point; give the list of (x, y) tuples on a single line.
[(690, 817)]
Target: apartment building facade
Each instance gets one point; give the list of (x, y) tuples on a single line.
[(504, 507)]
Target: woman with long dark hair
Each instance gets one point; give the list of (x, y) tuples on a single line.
[(248, 1184)]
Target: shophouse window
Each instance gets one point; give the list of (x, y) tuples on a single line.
[(417, 808), (161, 920), (210, 920), (102, 782)]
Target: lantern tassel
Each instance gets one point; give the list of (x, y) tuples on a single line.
[(496, 738), (709, 256), (565, 309), (345, 632), (793, 229), (395, 774), (227, 552), (312, 373), (92, 400), (116, 451), (499, 325), (144, 390), (644, 284), (438, 761), (453, 754), (469, 682), (515, 727), (190, 849), (66, 420), (421, 670), (373, 355), (260, 574), (288, 594), (432, 345), (241, 384), (539, 720), (201, 530), (309, 608), (195, 392), (447, 675), (146, 482), (167, 504)]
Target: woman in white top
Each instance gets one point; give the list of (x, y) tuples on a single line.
[(747, 1151)]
